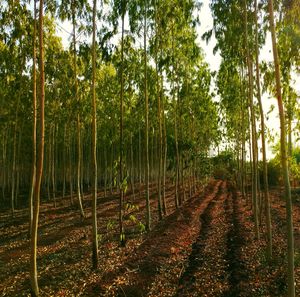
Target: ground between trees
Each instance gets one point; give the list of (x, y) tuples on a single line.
[(204, 248)]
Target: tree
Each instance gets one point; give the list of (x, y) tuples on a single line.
[(263, 142), (253, 127), (284, 159), (40, 160), (34, 107), (122, 181), (148, 212), (94, 146)]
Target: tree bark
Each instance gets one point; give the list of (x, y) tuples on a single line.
[(253, 129), (34, 120), (79, 155), (40, 160), (148, 213), (121, 186), (284, 161), (94, 148), (160, 160)]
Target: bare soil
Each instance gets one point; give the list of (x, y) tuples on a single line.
[(206, 247)]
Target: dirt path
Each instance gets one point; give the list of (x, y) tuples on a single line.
[(207, 247), (237, 269), (169, 238), (215, 267), (64, 251)]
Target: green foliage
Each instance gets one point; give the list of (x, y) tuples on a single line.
[(141, 227), (111, 225), (223, 165), (274, 172), (122, 237), (99, 238)]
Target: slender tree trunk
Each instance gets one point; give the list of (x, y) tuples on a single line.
[(64, 162), (148, 213), (52, 165), (94, 141), (243, 146), (140, 164), (164, 150), (37, 188), (132, 168), (284, 161), (175, 126), (79, 155), (160, 159), (48, 162), (253, 129), (18, 168), (121, 186), (4, 159), (111, 168), (263, 142), (34, 109), (13, 172), (70, 173), (105, 171), (290, 141), (250, 160)]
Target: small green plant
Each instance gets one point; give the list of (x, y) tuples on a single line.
[(99, 238), (141, 227), (132, 218), (110, 225), (122, 237)]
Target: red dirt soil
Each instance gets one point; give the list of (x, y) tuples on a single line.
[(206, 247)]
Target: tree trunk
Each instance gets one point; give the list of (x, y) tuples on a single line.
[(284, 161), (253, 129), (157, 32), (148, 213), (132, 168), (52, 165), (37, 187), (79, 155), (34, 109), (64, 163), (140, 164), (13, 172), (121, 186), (263, 142), (94, 148)]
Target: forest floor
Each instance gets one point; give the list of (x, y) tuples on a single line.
[(204, 248)]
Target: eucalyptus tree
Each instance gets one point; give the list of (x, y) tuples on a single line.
[(70, 9), (263, 141), (157, 41), (119, 10), (34, 109), (234, 32), (122, 11), (148, 212), (284, 158), (288, 45), (15, 22), (253, 124), (40, 159), (94, 140), (178, 55)]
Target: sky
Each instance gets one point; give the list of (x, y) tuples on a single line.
[(206, 23)]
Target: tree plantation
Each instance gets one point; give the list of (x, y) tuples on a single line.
[(150, 148)]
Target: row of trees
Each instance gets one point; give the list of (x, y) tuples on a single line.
[(131, 106), (240, 29)]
